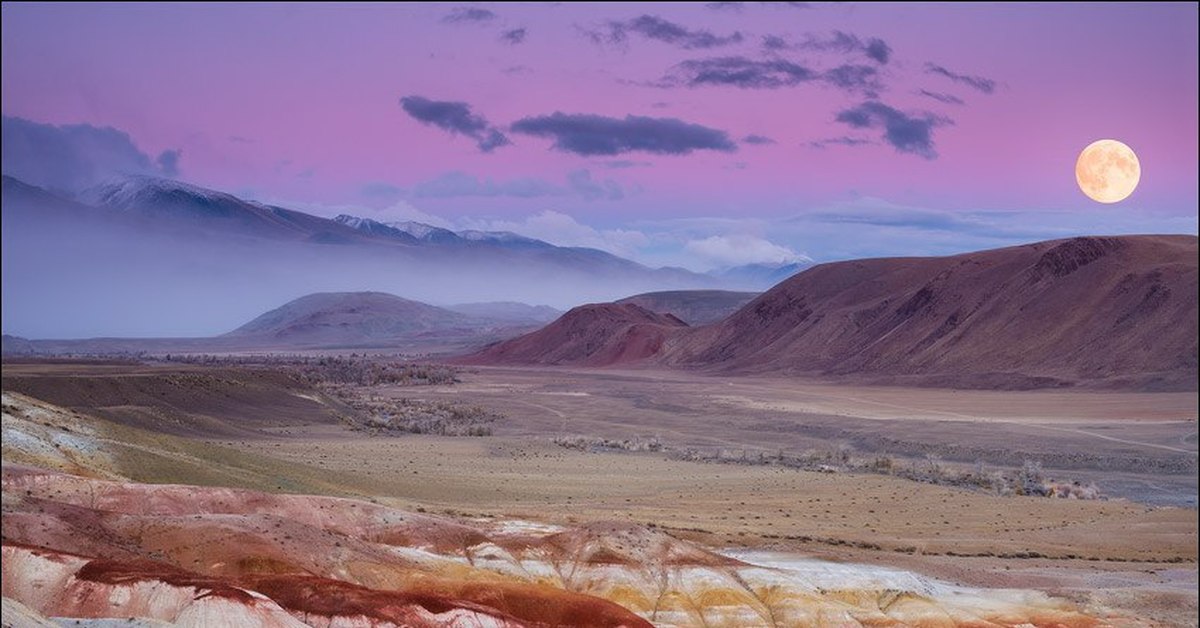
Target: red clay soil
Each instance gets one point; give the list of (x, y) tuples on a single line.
[(601, 334), (533, 604)]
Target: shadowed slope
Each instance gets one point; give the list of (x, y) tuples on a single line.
[(599, 334)]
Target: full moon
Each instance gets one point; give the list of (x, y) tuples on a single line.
[(1107, 171)]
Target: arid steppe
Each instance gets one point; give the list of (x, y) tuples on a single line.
[(699, 459)]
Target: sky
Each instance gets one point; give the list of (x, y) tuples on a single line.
[(693, 135)]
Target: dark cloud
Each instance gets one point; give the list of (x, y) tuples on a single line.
[(73, 157), (906, 133), (775, 43), (168, 162), (585, 134), (658, 29), (581, 183), (844, 140), (757, 139), (878, 50), (514, 36), (846, 43), (738, 72), (985, 85), (468, 14), (949, 99), (455, 117), (862, 78)]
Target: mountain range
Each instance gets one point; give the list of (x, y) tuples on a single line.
[(153, 256)]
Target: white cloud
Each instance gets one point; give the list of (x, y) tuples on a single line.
[(563, 230), (738, 249), (401, 211)]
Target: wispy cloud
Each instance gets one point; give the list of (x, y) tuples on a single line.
[(514, 36), (455, 117), (658, 29), (942, 97), (842, 42), (739, 71), (462, 15), (758, 140), (855, 78), (985, 85), (588, 135), (844, 140)]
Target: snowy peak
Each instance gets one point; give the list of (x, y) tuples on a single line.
[(438, 235), (137, 191), (373, 227), (428, 233)]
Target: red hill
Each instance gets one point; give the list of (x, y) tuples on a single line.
[(1114, 310), (590, 335)]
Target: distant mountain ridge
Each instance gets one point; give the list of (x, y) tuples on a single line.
[(348, 318), (421, 232), (123, 246), (694, 307)]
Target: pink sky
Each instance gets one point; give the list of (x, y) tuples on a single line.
[(300, 104)]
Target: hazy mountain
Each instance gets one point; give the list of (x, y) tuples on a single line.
[(154, 257), (694, 307), (165, 200), (508, 311), (350, 318), (760, 276)]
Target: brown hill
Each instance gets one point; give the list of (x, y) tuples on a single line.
[(1117, 311), (694, 307), (598, 334), (350, 318)]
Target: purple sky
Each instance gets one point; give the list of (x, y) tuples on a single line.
[(893, 129)]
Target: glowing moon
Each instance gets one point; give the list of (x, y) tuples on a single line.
[(1108, 171)]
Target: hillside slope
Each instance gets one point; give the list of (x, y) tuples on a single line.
[(598, 334), (1119, 310)]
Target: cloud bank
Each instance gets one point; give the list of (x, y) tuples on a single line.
[(73, 157)]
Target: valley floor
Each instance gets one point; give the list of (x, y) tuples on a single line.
[(1137, 556)]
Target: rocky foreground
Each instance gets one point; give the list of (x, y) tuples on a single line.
[(81, 542)]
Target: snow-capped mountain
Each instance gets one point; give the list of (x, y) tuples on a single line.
[(167, 200), (438, 235), (122, 248)]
